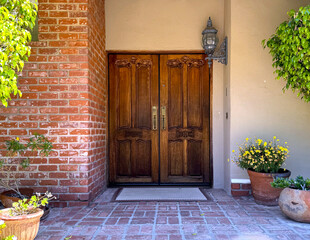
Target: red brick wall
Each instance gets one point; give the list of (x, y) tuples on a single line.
[(64, 97), (98, 96), (241, 189)]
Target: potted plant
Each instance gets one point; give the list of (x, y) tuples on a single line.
[(263, 161), (23, 219), (19, 157), (294, 200)]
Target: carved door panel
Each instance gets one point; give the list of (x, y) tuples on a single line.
[(184, 119), (133, 128)]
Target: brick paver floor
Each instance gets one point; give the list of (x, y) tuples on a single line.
[(221, 217)]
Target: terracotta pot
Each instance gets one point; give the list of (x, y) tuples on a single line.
[(295, 204), (7, 201), (262, 191), (23, 227)]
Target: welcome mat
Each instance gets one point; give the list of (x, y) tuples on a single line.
[(160, 194)]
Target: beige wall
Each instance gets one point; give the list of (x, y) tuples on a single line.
[(258, 105), (171, 25), (226, 96), (160, 24)]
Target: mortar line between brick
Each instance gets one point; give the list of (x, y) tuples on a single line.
[(180, 221), (71, 227), (103, 223), (206, 223), (154, 224), (129, 222), (225, 214)]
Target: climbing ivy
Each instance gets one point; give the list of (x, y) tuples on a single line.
[(17, 18), (290, 49)]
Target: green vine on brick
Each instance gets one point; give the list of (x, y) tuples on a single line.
[(17, 18), (290, 49)]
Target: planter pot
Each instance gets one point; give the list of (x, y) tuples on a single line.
[(262, 191), (23, 227), (295, 204), (7, 199)]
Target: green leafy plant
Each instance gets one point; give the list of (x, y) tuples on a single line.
[(298, 183), (289, 47), (29, 206), (17, 18), (261, 156), (19, 154)]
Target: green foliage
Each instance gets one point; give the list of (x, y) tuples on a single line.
[(290, 49), (37, 143), (18, 154), (298, 183), (260, 156), (41, 143), (17, 18), (29, 206)]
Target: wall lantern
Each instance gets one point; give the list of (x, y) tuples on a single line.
[(209, 43)]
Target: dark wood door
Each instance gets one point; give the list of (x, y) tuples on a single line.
[(166, 143), (185, 114), (133, 117)]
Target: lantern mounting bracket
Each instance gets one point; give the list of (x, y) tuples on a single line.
[(219, 55)]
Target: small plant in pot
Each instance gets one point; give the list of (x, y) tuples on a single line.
[(294, 200), (23, 219), (19, 157), (263, 161)]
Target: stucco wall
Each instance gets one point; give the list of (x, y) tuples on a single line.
[(171, 25), (258, 105), (226, 94)]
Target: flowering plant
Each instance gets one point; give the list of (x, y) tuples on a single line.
[(261, 156)]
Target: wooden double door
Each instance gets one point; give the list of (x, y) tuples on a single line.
[(159, 119)]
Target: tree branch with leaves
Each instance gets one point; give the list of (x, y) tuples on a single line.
[(17, 19), (290, 51)]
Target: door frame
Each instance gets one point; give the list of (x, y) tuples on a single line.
[(158, 52)]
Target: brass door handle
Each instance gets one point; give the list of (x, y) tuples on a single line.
[(163, 117), (154, 118)]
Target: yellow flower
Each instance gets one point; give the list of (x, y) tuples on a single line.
[(228, 160), (247, 139), (274, 137), (17, 139), (285, 142), (233, 151), (265, 144)]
